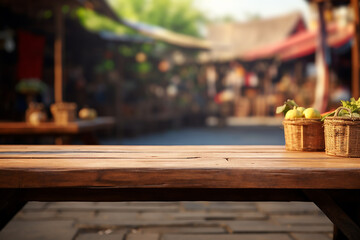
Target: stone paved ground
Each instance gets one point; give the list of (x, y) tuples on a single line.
[(175, 220), (169, 221)]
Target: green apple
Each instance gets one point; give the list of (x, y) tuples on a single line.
[(293, 114), (311, 113)]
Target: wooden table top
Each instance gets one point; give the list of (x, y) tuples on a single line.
[(174, 167), (79, 126)]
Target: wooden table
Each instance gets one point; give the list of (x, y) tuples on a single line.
[(84, 128), (173, 173)]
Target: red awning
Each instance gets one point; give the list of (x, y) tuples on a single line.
[(302, 44)]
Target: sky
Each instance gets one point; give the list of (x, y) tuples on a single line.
[(240, 9)]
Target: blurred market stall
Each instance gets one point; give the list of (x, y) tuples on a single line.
[(262, 62), (68, 46)]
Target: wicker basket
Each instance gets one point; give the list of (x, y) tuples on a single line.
[(304, 135), (63, 112), (342, 135)]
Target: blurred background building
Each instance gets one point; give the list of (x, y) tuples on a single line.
[(161, 64)]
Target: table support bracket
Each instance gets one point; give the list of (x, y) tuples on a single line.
[(11, 202), (344, 217)]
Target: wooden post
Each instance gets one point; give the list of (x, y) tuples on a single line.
[(119, 98), (355, 52), (58, 48), (322, 59), (345, 216)]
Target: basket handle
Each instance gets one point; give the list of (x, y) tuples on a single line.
[(342, 108)]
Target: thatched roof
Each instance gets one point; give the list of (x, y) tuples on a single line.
[(232, 40)]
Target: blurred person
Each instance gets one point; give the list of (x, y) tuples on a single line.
[(76, 86), (306, 93), (287, 86), (341, 92), (211, 78), (234, 79), (99, 93)]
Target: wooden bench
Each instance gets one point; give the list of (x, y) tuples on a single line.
[(173, 173)]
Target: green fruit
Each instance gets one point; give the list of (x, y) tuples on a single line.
[(301, 110), (293, 114), (311, 113)]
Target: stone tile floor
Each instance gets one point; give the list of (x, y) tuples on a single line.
[(169, 221)]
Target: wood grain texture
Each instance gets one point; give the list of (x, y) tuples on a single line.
[(239, 167), (50, 128)]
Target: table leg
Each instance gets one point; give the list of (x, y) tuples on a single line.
[(10, 203), (353, 211), (344, 215)]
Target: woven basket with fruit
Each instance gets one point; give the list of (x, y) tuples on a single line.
[(342, 130), (303, 128)]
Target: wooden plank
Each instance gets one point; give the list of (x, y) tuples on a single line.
[(258, 167), (50, 128), (335, 213)]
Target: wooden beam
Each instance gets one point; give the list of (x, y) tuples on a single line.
[(336, 214), (355, 52), (158, 194), (99, 194), (322, 59), (120, 61), (10, 203), (58, 52)]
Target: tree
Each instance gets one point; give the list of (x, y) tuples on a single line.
[(177, 15)]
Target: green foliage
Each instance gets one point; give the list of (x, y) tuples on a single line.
[(227, 19), (176, 15), (30, 86), (353, 105), (104, 66), (288, 104), (65, 9), (95, 22), (47, 14), (146, 48), (143, 68), (126, 51), (330, 114)]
